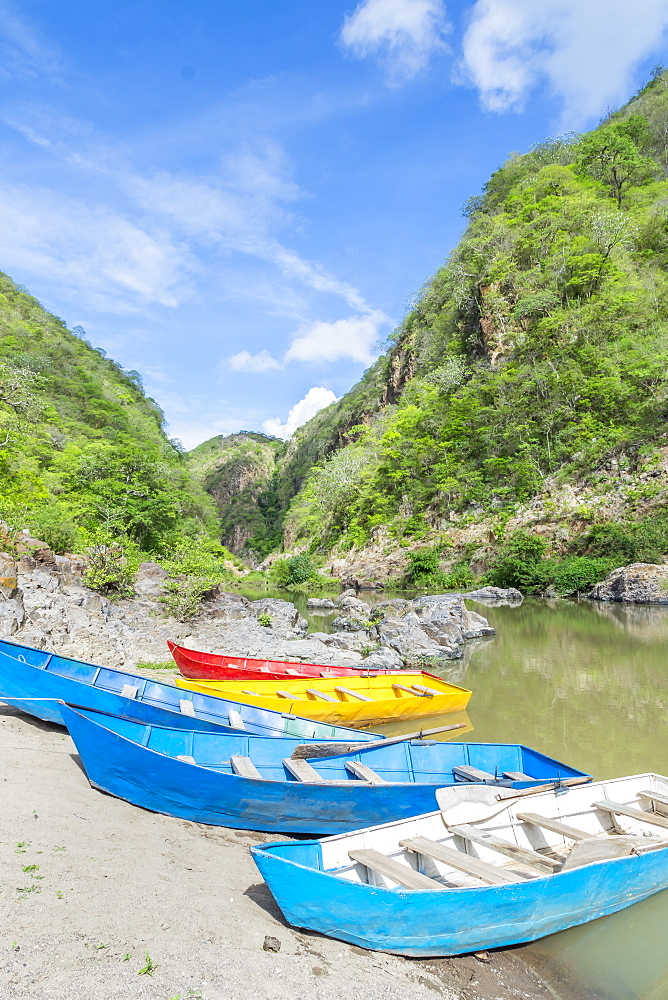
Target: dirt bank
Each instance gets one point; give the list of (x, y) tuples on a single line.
[(114, 883)]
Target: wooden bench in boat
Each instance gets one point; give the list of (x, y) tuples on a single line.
[(353, 694), (186, 758), (657, 799), (186, 707), (234, 719), (402, 687), (302, 771), (617, 809), (394, 870), (130, 691), (244, 766), (320, 694), (524, 854), (364, 772), (482, 870), (517, 776), (556, 826), (426, 692), (468, 773), (279, 694)]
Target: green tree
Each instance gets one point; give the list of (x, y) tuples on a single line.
[(612, 154)]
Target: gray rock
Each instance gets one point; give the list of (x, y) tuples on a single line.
[(495, 596), (12, 615), (410, 640), (357, 641), (285, 619), (150, 579), (320, 603), (385, 657), (349, 623), (353, 606), (351, 592), (639, 583)]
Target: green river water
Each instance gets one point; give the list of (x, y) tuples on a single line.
[(586, 683)]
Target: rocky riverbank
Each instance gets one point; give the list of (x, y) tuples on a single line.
[(45, 604)]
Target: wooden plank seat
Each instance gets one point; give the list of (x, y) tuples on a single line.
[(234, 719), (129, 691), (186, 707), (186, 758), (427, 692), (556, 826), (482, 870), (280, 694), (617, 809), (291, 670), (402, 687), (467, 773), (394, 870), (321, 694), (657, 799), (353, 694), (514, 851), (244, 766), (302, 771), (517, 776), (364, 772)]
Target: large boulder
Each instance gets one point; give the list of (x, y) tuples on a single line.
[(639, 583), (320, 604), (285, 618), (150, 580), (495, 596)]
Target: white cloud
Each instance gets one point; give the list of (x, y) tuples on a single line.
[(586, 51), (352, 338), (113, 263), (403, 34), (244, 361), (314, 400)]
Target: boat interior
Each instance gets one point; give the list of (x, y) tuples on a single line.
[(493, 838)]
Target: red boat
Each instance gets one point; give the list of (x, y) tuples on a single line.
[(216, 666)]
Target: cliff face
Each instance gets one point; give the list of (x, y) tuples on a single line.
[(238, 471), (528, 387)]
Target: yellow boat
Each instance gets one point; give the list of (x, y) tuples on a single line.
[(349, 701)]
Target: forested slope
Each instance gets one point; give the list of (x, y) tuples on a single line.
[(531, 375), (83, 454)]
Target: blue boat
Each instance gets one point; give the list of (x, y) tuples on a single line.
[(36, 682), (266, 784), (480, 873)]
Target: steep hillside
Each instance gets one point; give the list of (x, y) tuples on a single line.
[(528, 387), (83, 454), (239, 472)]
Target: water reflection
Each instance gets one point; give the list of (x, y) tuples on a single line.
[(624, 956)]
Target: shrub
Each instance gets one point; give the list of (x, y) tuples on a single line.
[(293, 571), (108, 571), (520, 563), (264, 619), (183, 598), (56, 527), (578, 574)]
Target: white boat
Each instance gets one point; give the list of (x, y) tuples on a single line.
[(490, 869)]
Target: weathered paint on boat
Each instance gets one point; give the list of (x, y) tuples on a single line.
[(39, 680), (142, 764), (218, 666), (451, 921), (387, 697)]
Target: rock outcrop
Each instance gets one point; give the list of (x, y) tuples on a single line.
[(639, 583), (45, 604), (495, 596)]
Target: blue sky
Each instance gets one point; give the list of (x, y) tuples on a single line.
[(240, 200)]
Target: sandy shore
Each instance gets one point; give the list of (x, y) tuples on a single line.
[(112, 883)]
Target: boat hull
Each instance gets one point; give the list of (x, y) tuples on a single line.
[(35, 681), (218, 666), (143, 766), (456, 921), (383, 707)]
